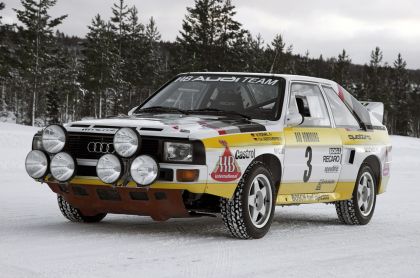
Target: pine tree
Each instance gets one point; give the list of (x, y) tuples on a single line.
[(36, 42), (153, 64), (119, 26), (341, 69), (400, 98), (135, 57), (98, 68), (52, 106), (208, 36), (374, 89)]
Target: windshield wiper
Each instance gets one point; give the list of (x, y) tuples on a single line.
[(220, 111), (161, 109)]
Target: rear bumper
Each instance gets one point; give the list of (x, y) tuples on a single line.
[(160, 204)]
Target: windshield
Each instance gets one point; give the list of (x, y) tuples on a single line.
[(255, 97)]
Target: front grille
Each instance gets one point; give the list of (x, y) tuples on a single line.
[(78, 145)]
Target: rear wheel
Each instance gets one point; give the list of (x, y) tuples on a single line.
[(359, 209), (73, 214), (250, 211)]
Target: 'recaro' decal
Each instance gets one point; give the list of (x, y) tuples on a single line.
[(227, 169)]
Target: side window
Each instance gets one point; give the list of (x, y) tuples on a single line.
[(307, 99), (342, 115)]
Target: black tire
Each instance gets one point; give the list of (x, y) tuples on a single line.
[(73, 214), (235, 211), (348, 211)]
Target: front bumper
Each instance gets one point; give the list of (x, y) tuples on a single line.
[(160, 204)]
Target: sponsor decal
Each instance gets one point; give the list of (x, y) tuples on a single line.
[(300, 198), (264, 137), (331, 158), (306, 137), (323, 181), (245, 154), (232, 79), (335, 151), (227, 169), (360, 137), (331, 169)]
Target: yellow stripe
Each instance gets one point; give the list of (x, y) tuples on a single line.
[(245, 139), (326, 136), (375, 137), (343, 191), (304, 187)]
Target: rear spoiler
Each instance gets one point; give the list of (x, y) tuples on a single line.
[(376, 108)]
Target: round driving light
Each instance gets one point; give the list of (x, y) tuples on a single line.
[(144, 170), (53, 138), (109, 168), (126, 142), (62, 167), (36, 164)]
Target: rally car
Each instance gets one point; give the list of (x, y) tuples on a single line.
[(235, 144)]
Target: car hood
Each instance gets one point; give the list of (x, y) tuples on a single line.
[(171, 125)]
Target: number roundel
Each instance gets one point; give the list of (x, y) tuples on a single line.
[(307, 173)]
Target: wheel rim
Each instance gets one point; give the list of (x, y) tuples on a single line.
[(365, 193), (260, 201)]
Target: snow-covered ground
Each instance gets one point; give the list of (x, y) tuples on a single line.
[(304, 241)]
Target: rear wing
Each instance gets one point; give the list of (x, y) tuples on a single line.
[(376, 108)]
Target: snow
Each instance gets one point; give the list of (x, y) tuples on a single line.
[(304, 241)]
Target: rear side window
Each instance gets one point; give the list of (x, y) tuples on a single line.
[(342, 115), (308, 100)]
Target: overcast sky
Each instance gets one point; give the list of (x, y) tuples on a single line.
[(322, 26)]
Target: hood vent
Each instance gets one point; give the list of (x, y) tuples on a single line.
[(151, 129), (80, 125)]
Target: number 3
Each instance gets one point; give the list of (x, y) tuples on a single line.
[(307, 173)]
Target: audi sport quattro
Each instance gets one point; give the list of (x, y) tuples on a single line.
[(235, 144)]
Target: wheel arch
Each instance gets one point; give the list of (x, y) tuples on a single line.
[(274, 165), (374, 162)]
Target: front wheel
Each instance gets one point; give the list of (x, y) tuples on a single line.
[(359, 209), (75, 215), (250, 211)]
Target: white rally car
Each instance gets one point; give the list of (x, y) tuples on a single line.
[(237, 144)]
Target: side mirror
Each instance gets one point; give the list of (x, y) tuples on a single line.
[(132, 110), (294, 119)]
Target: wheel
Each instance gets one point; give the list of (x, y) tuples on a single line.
[(359, 209), (250, 211), (73, 214)]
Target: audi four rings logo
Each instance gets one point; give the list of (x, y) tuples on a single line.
[(100, 147)]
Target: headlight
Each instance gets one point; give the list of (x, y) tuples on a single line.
[(109, 168), (62, 167), (144, 170), (126, 142), (36, 164), (37, 142), (178, 152), (53, 138)]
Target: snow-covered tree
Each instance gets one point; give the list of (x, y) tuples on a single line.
[(35, 46)]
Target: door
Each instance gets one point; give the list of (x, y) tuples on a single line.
[(312, 160)]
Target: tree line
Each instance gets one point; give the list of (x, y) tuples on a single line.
[(47, 76)]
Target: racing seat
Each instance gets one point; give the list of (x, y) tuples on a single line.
[(228, 100)]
